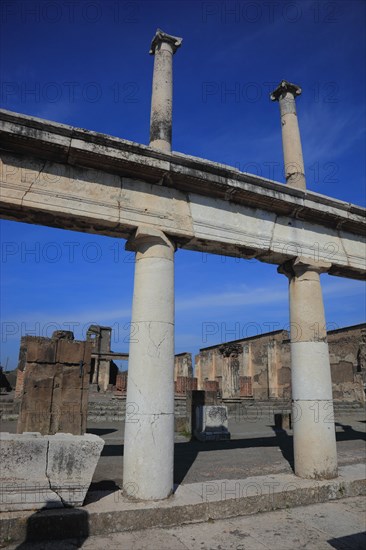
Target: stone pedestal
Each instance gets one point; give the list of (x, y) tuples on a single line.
[(149, 429), (46, 471), (285, 94), (211, 423), (163, 48), (312, 404)]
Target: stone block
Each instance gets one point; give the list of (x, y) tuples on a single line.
[(48, 471), (184, 384), (211, 385), (19, 384), (72, 351), (40, 350), (121, 382), (211, 397), (246, 388), (342, 372), (211, 423)]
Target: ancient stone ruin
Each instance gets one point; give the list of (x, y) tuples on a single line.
[(54, 385), (159, 200), (259, 367)]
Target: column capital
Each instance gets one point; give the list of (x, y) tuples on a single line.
[(228, 350), (161, 37), (146, 235), (299, 266), (283, 88)]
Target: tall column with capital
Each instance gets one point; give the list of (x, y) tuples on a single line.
[(285, 94), (315, 450), (149, 428), (230, 373), (163, 47)]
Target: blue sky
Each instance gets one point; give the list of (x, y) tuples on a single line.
[(86, 64)]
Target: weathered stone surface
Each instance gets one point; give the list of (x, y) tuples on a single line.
[(46, 471), (315, 452), (264, 363), (175, 193), (211, 423), (40, 350), (149, 433), (285, 94), (163, 47), (184, 384), (192, 503), (71, 351), (183, 365), (55, 385)]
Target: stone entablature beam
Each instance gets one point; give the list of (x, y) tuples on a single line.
[(60, 176)]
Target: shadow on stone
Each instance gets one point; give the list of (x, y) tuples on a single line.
[(100, 490), (57, 524), (357, 541), (101, 431), (186, 453), (349, 433), (112, 450), (285, 443)]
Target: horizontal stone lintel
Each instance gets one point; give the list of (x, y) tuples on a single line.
[(140, 183)]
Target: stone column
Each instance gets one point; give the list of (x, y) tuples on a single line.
[(312, 402), (104, 374), (198, 371), (163, 46), (272, 369), (149, 428), (285, 94), (230, 373)]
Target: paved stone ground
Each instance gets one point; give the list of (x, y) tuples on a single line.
[(336, 525), (255, 449)]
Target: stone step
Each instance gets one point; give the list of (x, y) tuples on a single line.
[(115, 410), (106, 513), (6, 406)]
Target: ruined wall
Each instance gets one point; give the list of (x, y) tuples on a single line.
[(100, 341), (284, 370), (54, 396), (181, 385), (121, 382), (266, 362), (345, 350), (264, 366), (260, 370), (183, 365), (210, 366), (19, 384), (184, 384)]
